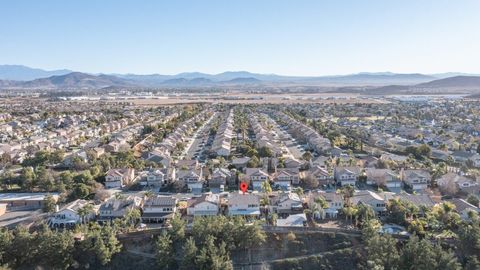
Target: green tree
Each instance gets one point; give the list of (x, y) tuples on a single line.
[(28, 178), (80, 191), (254, 162), (423, 255), (472, 199), (266, 188), (381, 252), (469, 239), (189, 255), (56, 156), (22, 248), (472, 263), (54, 249), (211, 257), (6, 239), (165, 254), (99, 246), (85, 211), (49, 204), (265, 152), (177, 229), (307, 156)]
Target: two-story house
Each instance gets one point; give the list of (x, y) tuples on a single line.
[(116, 178), (247, 205), (416, 179), (285, 177), (159, 209), (70, 215), (383, 178), (286, 203), (206, 205), (321, 174), (346, 175), (220, 178), (257, 176), (118, 207)]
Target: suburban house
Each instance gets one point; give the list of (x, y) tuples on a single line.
[(118, 207), (286, 203), (155, 177), (256, 176), (240, 163), (285, 177), (334, 201), (159, 209), (346, 175), (117, 178), (463, 208), (159, 157), (367, 197), (383, 178), (220, 178), (321, 174), (464, 157), (71, 214), (416, 179), (451, 183), (247, 205), (192, 178), (292, 163), (25, 201), (206, 205)]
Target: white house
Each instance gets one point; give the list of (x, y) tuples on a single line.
[(206, 205), (377, 202), (117, 208), (116, 178), (286, 203), (243, 205), (284, 178), (463, 208), (70, 215), (416, 179), (257, 177), (383, 177), (347, 175), (158, 209)]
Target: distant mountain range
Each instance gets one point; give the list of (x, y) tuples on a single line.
[(456, 84), (19, 77), (73, 80), (23, 73)]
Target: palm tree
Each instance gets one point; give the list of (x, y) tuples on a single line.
[(413, 210), (266, 188), (350, 212), (299, 191), (84, 212), (307, 156), (319, 207), (149, 194), (365, 213), (273, 219), (347, 192)]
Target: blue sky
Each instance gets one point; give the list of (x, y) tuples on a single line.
[(266, 36)]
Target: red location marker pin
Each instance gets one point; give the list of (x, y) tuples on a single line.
[(243, 187)]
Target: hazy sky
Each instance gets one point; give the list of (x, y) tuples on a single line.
[(284, 37)]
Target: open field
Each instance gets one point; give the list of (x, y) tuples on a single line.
[(259, 99)]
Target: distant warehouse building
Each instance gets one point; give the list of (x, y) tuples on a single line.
[(24, 201)]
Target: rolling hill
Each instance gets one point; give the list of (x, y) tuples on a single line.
[(74, 80), (24, 73)]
